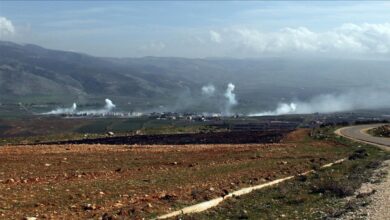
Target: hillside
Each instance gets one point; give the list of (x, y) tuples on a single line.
[(34, 75), (30, 72)]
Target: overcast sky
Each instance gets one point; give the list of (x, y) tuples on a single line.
[(202, 29)]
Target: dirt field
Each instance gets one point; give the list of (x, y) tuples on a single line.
[(91, 181)]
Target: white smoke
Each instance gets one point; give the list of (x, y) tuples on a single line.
[(109, 106), (282, 109), (58, 111), (229, 94), (231, 98), (208, 90), (329, 103)]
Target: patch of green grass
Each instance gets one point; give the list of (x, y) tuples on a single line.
[(99, 126), (47, 138), (128, 125), (51, 129)]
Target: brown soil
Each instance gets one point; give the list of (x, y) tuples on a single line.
[(297, 135), (59, 181)]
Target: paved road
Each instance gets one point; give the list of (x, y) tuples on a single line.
[(359, 133)]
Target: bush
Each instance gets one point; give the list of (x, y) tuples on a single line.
[(338, 187), (374, 164), (358, 154), (302, 178)]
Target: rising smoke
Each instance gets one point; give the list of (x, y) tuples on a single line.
[(228, 103), (231, 99), (208, 90), (329, 103), (109, 106), (58, 111)]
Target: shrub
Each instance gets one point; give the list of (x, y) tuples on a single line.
[(338, 187), (358, 154)]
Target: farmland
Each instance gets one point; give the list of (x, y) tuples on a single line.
[(137, 181)]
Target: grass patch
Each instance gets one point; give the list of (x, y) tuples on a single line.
[(51, 129)]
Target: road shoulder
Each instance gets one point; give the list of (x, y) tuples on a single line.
[(374, 195)]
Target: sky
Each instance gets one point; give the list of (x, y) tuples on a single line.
[(238, 29)]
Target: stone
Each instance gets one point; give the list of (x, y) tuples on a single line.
[(89, 207)]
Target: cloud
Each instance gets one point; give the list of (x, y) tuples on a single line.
[(6, 27), (215, 37), (348, 38)]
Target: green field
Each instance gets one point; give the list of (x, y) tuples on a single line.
[(43, 129)]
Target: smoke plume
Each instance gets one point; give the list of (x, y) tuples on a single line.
[(329, 103), (231, 98), (109, 106), (106, 109), (63, 110), (208, 90)]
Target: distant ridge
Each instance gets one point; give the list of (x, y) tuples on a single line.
[(33, 74)]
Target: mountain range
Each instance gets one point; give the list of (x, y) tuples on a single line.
[(34, 75)]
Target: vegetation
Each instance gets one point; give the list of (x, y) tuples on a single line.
[(174, 177), (317, 196), (47, 129), (144, 181), (382, 131), (53, 78)]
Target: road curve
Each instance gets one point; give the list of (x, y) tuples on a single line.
[(359, 133)]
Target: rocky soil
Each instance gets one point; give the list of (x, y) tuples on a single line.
[(135, 182), (372, 200)]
